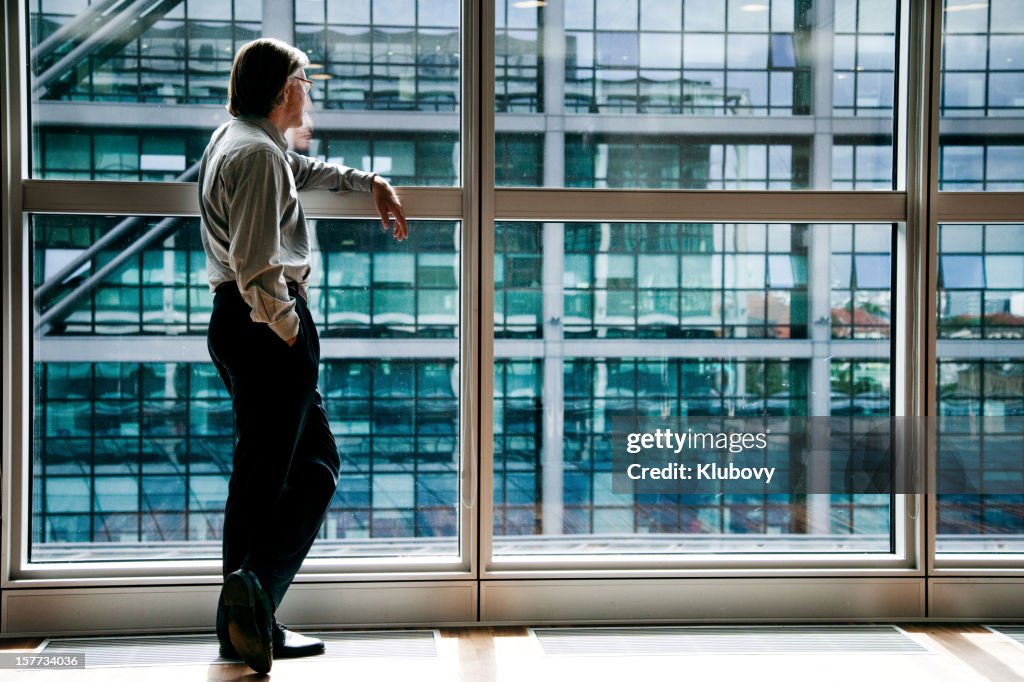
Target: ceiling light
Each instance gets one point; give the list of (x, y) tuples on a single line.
[(969, 6), (320, 76), (528, 4), (754, 8), (314, 66)]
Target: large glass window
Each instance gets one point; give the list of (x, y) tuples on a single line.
[(980, 298), (700, 95), (707, 314), (139, 99), (134, 436), (132, 449), (980, 379), (982, 92), (383, 54), (178, 52), (657, 319)]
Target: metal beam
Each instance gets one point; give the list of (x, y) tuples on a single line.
[(192, 348), (979, 349), (206, 117), (88, 21), (120, 28), (108, 239), (66, 305)]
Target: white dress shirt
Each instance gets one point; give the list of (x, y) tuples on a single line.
[(252, 226)]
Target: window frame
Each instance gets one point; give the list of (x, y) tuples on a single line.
[(916, 210), (24, 197)]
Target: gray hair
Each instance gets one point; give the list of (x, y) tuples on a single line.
[(259, 74)]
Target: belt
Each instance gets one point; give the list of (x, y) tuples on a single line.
[(293, 288)]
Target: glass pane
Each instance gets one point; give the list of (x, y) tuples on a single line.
[(679, 319), (140, 102), (727, 94), (133, 427), (982, 101), (980, 379), (981, 282)]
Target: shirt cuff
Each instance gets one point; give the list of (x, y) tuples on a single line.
[(287, 327), (357, 180)]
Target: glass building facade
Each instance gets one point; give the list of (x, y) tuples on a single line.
[(132, 429)]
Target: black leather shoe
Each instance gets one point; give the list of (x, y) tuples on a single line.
[(287, 644), (250, 619)]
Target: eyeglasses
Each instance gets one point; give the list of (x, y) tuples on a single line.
[(307, 84)]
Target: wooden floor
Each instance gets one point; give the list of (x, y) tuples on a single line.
[(957, 653)]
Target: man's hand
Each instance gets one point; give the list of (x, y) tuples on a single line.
[(385, 200)]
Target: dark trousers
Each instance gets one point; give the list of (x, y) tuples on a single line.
[(286, 463)]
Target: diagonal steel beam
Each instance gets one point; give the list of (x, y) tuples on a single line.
[(122, 228), (121, 28), (86, 22), (64, 306)]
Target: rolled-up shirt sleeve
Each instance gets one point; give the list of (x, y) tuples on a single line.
[(254, 218), (313, 173)]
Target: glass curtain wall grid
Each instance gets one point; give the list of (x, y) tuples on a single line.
[(628, 317), (125, 402), (151, 441), (690, 320), (978, 384), (553, 278), (641, 89), (404, 65)]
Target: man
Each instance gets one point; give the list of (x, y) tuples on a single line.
[(265, 346)]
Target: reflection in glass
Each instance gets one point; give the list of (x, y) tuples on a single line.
[(982, 96), (133, 429), (981, 282), (981, 374), (705, 78), (139, 99), (658, 319)]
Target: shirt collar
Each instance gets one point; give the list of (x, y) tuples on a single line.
[(264, 124)]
